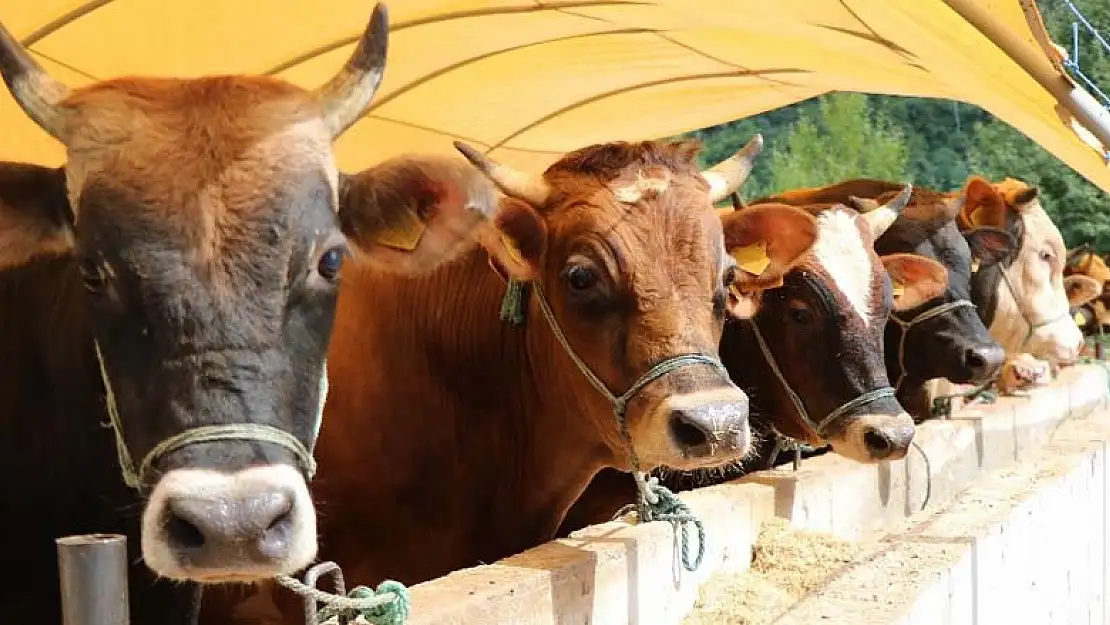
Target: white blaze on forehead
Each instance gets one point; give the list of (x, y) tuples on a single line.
[(842, 252)]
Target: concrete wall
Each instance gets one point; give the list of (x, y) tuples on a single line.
[(618, 573), (1022, 545)]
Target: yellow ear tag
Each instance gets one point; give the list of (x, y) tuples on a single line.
[(899, 290), (511, 249), (752, 258), (1078, 319), (404, 233), (974, 265)]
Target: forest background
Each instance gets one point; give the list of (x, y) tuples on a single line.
[(929, 142)]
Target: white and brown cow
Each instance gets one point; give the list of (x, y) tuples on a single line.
[(1022, 299)]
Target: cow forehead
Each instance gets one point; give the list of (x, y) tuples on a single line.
[(1039, 228), (846, 257), (168, 137)]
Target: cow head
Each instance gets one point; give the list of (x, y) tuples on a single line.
[(208, 223), (627, 257), (1021, 298), (944, 337), (823, 330)]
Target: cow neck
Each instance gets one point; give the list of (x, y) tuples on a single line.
[(655, 501), (905, 326), (818, 427), (134, 475)]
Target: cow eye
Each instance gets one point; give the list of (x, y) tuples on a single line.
[(92, 274), (330, 264), (800, 313), (580, 278)]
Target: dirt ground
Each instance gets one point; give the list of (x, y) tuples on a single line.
[(786, 565)]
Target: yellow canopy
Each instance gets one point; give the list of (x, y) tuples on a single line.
[(531, 79)]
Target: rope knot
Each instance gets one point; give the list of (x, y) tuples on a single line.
[(389, 604), (658, 503)]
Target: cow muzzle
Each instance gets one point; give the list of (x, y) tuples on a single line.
[(211, 527), (981, 363), (708, 425), (873, 438)]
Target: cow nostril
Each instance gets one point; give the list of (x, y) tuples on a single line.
[(975, 359), (686, 432), (277, 537), (182, 534), (878, 443)]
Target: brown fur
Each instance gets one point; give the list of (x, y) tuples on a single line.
[(452, 438)]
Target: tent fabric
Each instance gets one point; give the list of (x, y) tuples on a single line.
[(528, 80)]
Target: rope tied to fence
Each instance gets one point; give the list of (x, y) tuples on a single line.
[(942, 405), (656, 502), (388, 604)]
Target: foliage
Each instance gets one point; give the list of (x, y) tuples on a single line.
[(932, 143)]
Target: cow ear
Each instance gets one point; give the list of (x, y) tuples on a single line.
[(410, 214), (1081, 289), (990, 245), (983, 205), (516, 239), (35, 218), (766, 241), (916, 279), (1016, 193)]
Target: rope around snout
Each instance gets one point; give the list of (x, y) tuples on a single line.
[(389, 604), (655, 502)]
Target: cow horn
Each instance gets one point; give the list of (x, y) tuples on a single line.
[(513, 182), (346, 96), (882, 217), (726, 177), (38, 93)]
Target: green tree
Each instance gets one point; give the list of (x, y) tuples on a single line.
[(840, 139)]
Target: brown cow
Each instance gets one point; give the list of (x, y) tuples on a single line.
[(818, 374), (1087, 284), (186, 258), (453, 438)]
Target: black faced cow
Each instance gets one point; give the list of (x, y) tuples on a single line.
[(168, 296)]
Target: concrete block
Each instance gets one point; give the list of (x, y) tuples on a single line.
[(1023, 544), (620, 573)]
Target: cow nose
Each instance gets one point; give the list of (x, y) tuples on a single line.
[(701, 431), (888, 442), (257, 526), (984, 361)]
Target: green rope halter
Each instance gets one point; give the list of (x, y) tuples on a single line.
[(655, 501), (906, 326), (817, 427), (1033, 327), (134, 475)]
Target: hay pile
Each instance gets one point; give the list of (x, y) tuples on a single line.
[(786, 565)]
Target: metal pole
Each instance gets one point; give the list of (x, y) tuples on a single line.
[(93, 573), (1086, 110)]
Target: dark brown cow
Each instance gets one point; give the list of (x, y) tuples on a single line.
[(454, 438), (189, 251), (944, 337)]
